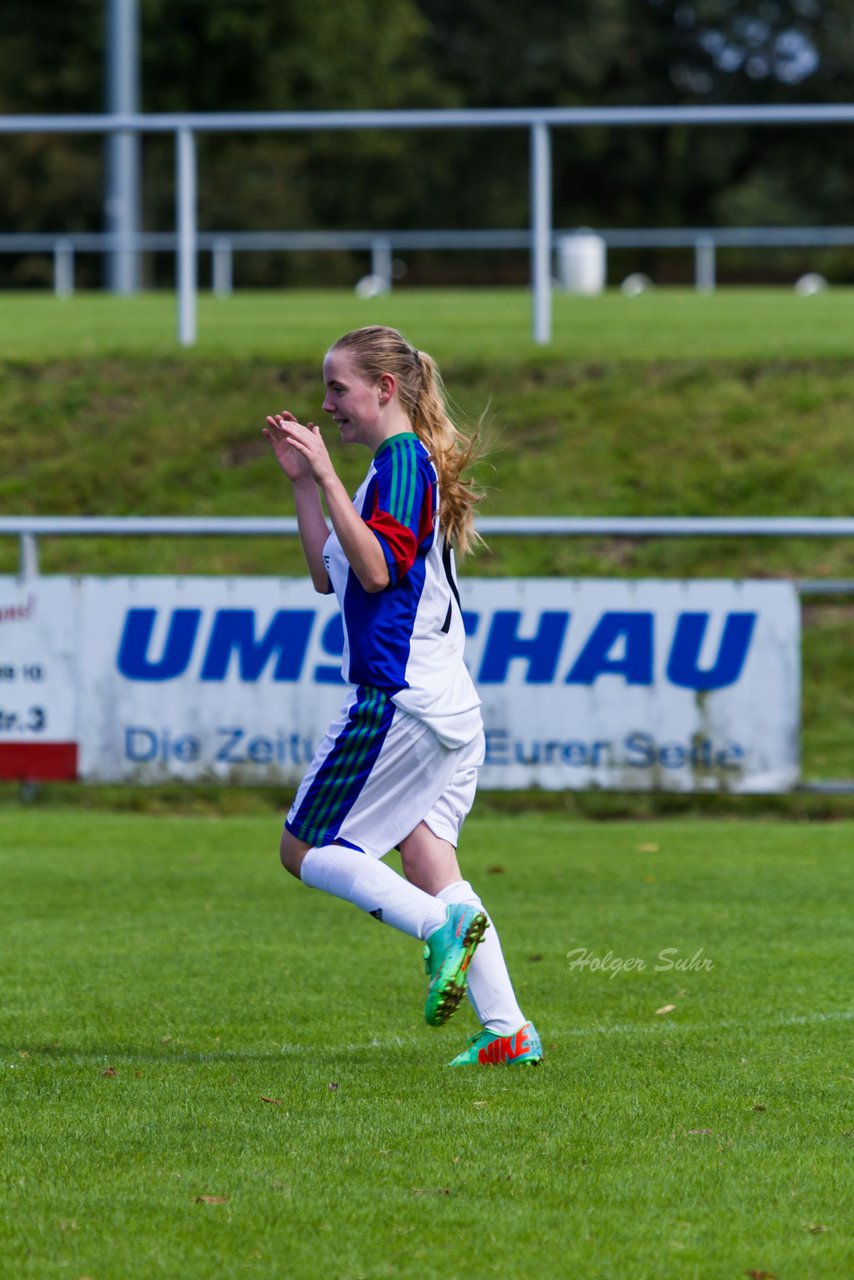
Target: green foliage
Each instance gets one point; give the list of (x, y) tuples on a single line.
[(240, 55), (194, 1068)]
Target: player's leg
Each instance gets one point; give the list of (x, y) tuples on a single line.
[(430, 861), (376, 771), (451, 931), (508, 1038), (366, 882)]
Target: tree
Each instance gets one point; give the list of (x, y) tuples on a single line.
[(258, 55)]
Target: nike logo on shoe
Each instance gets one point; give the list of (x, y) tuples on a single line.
[(505, 1048)]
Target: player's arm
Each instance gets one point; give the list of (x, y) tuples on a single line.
[(360, 546), (313, 530)]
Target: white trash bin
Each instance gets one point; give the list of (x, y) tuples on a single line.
[(581, 259)]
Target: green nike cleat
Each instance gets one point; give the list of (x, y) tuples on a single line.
[(447, 955), (523, 1048)]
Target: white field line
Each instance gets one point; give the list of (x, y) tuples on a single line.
[(659, 1027), (668, 1024), (662, 1026)]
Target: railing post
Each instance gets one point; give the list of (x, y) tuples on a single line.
[(185, 215), (123, 149), (222, 272), (381, 265), (28, 557), (63, 268), (541, 233), (704, 264)]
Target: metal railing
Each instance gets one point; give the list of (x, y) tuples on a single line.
[(28, 529), (705, 242), (539, 122)]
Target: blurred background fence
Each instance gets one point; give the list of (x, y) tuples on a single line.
[(539, 124), (380, 247)]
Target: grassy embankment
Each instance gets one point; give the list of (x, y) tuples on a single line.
[(671, 404)]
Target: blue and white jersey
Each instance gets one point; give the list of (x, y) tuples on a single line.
[(408, 639)]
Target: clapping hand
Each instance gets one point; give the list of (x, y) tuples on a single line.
[(287, 438)]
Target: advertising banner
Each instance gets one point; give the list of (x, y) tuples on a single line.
[(685, 686), (38, 679)]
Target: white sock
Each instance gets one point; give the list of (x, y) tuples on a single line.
[(370, 884), (489, 987)]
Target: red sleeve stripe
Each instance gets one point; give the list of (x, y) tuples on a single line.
[(399, 539)]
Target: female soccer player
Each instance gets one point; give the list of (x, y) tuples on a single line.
[(398, 768)]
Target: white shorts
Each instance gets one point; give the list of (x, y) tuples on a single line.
[(377, 774)]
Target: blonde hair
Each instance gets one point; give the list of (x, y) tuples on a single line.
[(377, 350)]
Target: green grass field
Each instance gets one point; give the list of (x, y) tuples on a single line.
[(474, 324), (208, 1070)]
